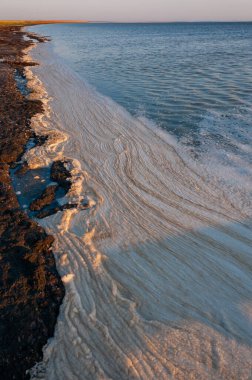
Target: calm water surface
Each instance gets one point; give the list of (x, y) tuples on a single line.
[(173, 74), (192, 79)]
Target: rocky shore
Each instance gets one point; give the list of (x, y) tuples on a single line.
[(31, 290)]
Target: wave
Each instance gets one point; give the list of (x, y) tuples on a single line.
[(158, 270), (223, 148)]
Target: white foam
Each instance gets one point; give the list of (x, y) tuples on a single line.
[(158, 272)]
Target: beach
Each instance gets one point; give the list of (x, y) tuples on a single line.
[(152, 246)]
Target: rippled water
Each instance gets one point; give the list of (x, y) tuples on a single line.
[(193, 80), (173, 74), (158, 270)]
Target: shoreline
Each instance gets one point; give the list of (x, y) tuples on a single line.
[(144, 265), (26, 23), (136, 288), (30, 287)]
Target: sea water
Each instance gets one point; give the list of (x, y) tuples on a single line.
[(155, 120), (192, 79)]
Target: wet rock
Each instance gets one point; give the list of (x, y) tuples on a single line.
[(84, 204), (19, 63), (51, 211), (31, 290), (69, 206), (45, 199), (23, 169), (30, 287), (54, 210), (61, 175), (38, 38), (41, 139)]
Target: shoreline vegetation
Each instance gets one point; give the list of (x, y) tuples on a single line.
[(31, 290)]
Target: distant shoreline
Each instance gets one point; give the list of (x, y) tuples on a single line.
[(47, 22), (39, 22)]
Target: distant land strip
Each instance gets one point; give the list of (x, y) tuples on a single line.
[(39, 22)]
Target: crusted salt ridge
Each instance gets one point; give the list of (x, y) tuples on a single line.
[(53, 148)]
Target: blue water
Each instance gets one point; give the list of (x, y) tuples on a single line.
[(194, 80), (173, 74)]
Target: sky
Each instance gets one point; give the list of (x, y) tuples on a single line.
[(128, 10)]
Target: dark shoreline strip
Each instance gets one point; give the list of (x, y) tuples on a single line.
[(31, 290)]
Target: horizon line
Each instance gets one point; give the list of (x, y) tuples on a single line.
[(78, 21)]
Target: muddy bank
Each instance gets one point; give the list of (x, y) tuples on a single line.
[(31, 290)]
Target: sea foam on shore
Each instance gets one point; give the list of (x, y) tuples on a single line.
[(158, 270)]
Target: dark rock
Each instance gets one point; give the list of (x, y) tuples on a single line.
[(84, 204), (23, 169), (38, 38), (45, 199), (68, 206), (44, 213), (61, 175), (41, 139), (31, 290)]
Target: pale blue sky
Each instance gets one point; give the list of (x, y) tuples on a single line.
[(127, 10)]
